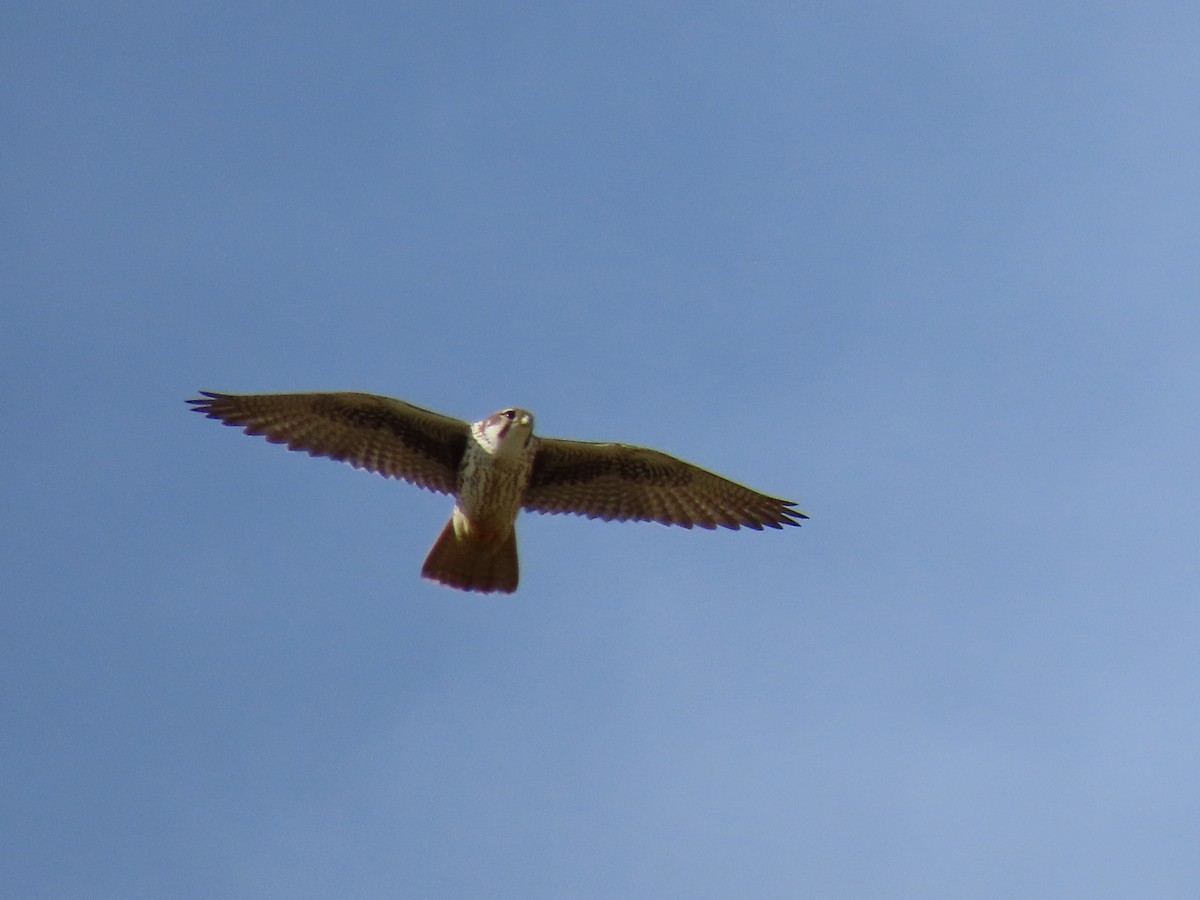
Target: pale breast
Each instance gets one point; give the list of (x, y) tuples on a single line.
[(490, 488)]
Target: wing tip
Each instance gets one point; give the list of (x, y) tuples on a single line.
[(205, 399), (791, 517), (787, 515)]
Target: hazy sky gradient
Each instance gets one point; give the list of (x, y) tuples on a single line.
[(928, 269)]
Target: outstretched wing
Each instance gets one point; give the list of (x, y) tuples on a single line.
[(380, 434), (618, 482)]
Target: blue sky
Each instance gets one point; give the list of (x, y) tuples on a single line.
[(929, 269)]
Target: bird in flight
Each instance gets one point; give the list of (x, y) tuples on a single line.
[(494, 468)]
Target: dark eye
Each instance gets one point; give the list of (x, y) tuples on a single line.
[(509, 414)]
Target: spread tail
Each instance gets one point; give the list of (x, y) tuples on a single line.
[(470, 563)]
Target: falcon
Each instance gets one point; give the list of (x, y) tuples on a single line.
[(494, 468)]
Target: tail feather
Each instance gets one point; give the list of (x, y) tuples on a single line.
[(471, 563)]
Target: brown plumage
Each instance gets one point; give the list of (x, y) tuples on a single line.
[(494, 468), (619, 482), (472, 563)]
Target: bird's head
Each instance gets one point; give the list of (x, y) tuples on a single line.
[(506, 432)]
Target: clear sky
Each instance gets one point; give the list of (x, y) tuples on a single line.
[(930, 269)]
